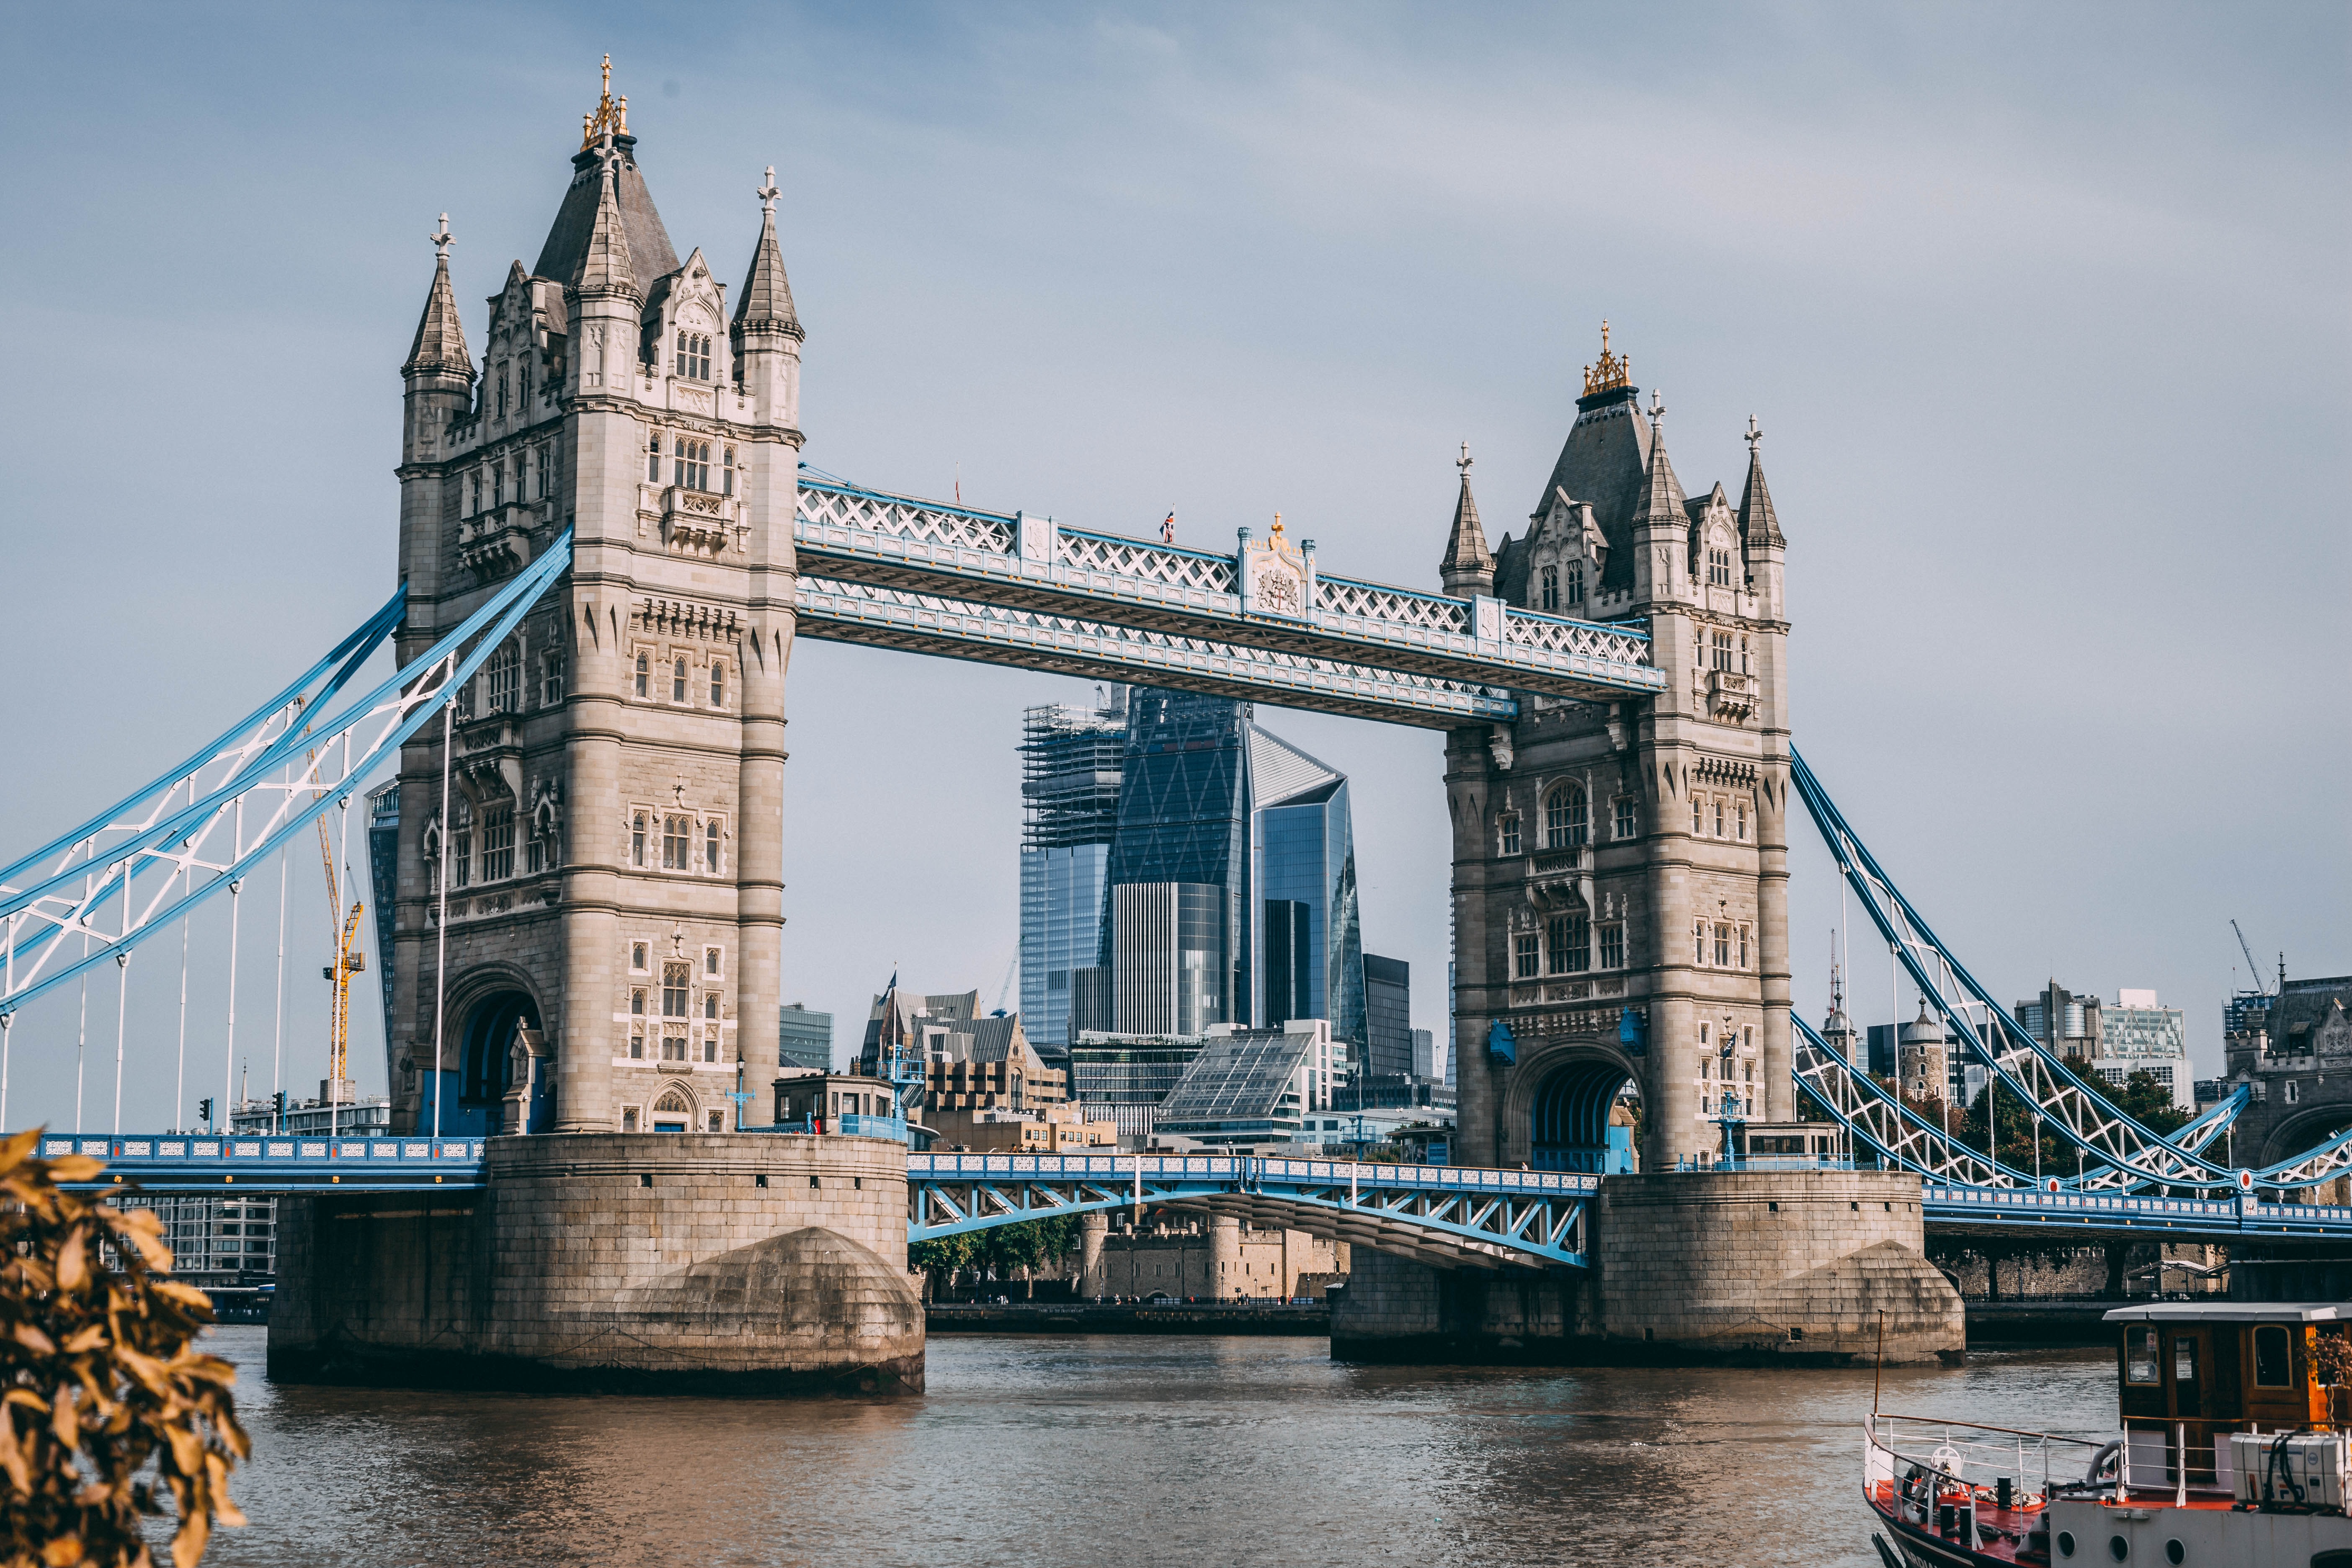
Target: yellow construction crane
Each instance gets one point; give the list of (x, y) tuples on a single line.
[(349, 960)]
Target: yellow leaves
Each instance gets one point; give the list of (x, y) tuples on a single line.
[(87, 1340), (62, 1423), (75, 1168), (63, 1553), (194, 1533), (73, 1261), (13, 1151), (186, 1295), (12, 1455), (33, 1340)]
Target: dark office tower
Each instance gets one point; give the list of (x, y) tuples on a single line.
[(1071, 758), (1174, 935), (1388, 1015), (1308, 940)]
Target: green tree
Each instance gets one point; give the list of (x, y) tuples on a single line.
[(97, 1379), (940, 1257)]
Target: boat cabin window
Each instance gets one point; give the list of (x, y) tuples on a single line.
[(2141, 1344), (2271, 1359), (2184, 1361)]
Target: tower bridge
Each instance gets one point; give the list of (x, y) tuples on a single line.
[(607, 545)]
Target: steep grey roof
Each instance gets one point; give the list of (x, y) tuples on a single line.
[(1604, 462), (440, 345), (767, 300), (1758, 524), (1465, 547), (650, 252), (606, 262)]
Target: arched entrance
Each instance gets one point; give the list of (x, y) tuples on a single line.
[(1568, 1118), (486, 1061), (673, 1112)]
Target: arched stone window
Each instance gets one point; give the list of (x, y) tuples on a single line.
[(1550, 588), (1576, 583), (1566, 822), (673, 1113), (644, 672)]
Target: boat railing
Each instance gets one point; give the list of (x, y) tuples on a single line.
[(2151, 1462), (1935, 1457)]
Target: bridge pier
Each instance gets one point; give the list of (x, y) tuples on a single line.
[(739, 1264), (1700, 1267)]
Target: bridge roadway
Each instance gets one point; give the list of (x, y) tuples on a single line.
[(1450, 1216)]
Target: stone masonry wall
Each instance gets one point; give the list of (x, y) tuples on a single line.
[(732, 1262)]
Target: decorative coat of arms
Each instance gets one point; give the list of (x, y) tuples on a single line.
[(1280, 575)]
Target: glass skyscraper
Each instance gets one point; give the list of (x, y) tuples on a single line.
[(1309, 941), (1071, 759)]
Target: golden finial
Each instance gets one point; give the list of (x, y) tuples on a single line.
[(1614, 371), (612, 114), (1277, 525)]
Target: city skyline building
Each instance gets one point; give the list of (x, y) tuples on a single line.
[(1309, 943), (1389, 1034), (804, 1037), (1072, 757)]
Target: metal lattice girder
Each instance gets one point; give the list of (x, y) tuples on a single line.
[(190, 836), (1882, 1123), (1454, 1216), (1950, 1208), (2130, 1154), (841, 611), (848, 534)]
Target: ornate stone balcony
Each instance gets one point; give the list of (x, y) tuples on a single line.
[(698, 520), (1731, 692), (497, 543)]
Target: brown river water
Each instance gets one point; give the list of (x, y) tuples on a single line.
[(1132, 1451)]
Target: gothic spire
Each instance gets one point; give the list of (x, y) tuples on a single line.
[(1468, 563), (604, 265), (1758, 524), (1663, 501), (440, 345), (766, 302)]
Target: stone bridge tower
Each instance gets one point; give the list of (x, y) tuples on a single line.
[(614, 829), (1621, 871)]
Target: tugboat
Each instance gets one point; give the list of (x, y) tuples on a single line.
[(2236, 1420)]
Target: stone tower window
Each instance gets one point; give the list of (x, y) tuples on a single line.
[(1723, 947), (638, 952), (726, 476), (546, 473), (637, 857), (690, 463), (1511, 832), (1723, 650), (461, 846), (1613, 945), (653, 460), (1576, 583), (692, 359), (1551, 588), (718, 684), (502, 395), (1739, 822), (1626, 823), (710, 848), (1699, 956), (498, 842), (678, 680), (676, 839), (1718, 816), (1565, 824), (645, 673), (1571, 939), (711, 958), (477, 504), (676, 977), (1524, 955), (551, 677), (1698, 815), (503, 677), (1718, 567)]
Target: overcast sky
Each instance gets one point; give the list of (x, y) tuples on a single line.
[(2041, 308)]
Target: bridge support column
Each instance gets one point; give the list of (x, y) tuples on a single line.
[(1094, 1229), (1732, 1268), (653, 1262)]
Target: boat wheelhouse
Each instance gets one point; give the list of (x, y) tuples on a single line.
[(2234, 1421)]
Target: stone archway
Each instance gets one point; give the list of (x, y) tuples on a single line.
[(674, 1110), (1555, 1114), (486, 1046)]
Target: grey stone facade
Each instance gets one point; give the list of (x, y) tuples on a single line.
[(615, 808), (670, 1262), (1621, 871)]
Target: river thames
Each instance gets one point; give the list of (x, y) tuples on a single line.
[(1072, 1453)]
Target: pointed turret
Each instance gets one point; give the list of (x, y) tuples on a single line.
[(766, 302), (767, 331), (605, 263), (1758, 524), (440, 345), (1663, 503), (1468, 567)]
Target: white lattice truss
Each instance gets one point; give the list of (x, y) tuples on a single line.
[(863, 612), (2119, 1152), (97, 894), (844, 533), (1451, 1216)]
